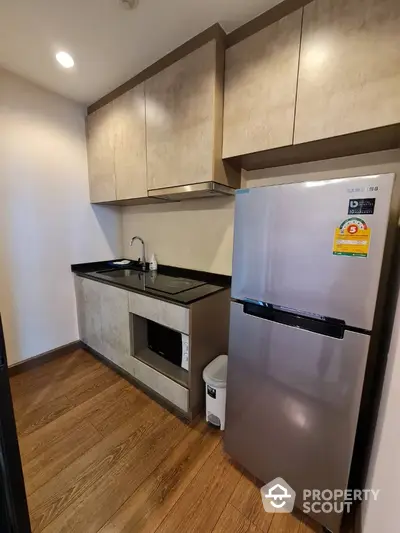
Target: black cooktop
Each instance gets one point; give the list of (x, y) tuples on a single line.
[(169, 283), (151, 280)]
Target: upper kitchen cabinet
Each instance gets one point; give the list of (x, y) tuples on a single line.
[(130, 144), (184, 108), (117, 149), (349, 78), (100, 148), (260, 88)]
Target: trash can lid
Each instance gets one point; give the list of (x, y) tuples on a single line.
[(215, 372)]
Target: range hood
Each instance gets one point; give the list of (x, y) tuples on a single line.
[(197, 190)]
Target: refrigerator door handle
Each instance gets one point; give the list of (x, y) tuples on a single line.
[(323, 326)]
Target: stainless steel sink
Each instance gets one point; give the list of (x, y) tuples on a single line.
[(121, 272)]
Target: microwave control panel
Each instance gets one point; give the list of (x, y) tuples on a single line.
[(185, 352)]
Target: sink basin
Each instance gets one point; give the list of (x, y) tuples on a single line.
[(121, 272)]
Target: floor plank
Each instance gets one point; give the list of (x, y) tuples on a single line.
[(63, 451), (201, 505), (145, 509), (51, 500), (90, 383), (309, 526), (232, 521), (41, 415), (284, 523), (44, 438), (73, 391), (116, 410), (100, 456), (49, 380), (96, 506), (247, 500)]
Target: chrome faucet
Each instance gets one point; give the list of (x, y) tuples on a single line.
[(143, 260)]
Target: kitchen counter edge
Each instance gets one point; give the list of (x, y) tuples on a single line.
[(219, 282)]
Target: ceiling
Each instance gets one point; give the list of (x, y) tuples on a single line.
[(110, 44)]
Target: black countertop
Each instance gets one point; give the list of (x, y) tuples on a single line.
[(158, 285)]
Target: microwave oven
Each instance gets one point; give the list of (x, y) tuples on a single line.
[(169, 344)]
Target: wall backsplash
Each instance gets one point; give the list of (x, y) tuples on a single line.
[(195, 234)]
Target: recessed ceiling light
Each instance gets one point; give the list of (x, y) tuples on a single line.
[(65, 59)]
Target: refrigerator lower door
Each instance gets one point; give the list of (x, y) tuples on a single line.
[(293, 400), (285, 252)]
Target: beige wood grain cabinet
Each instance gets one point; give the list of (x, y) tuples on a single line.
[(114, 323), (103, 319), (349, 78), (100, 148), (88, 301), (130, 144), (184, 111), (260, 88), (117, 149)]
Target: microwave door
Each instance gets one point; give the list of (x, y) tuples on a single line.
[(284, 251)]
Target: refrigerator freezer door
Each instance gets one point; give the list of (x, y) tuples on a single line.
[(284, 246), (293, 400)]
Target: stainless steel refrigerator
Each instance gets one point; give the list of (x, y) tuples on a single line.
[(307, 270)]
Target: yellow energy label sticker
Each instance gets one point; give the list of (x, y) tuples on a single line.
[(352, 238)]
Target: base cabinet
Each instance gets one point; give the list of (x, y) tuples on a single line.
[(104, 319), (88, 299), (113, 322), (162, 385)]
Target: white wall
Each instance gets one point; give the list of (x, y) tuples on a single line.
[(46, 220)]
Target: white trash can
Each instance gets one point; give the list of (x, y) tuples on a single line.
[(214, 376)]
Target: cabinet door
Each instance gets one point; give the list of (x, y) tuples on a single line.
[(130, 144), (180, 120), (100, 147), (88, 299), (115, 324), (349, 77), (260, 88)]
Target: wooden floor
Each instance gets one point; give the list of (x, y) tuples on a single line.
[(100, 456)]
